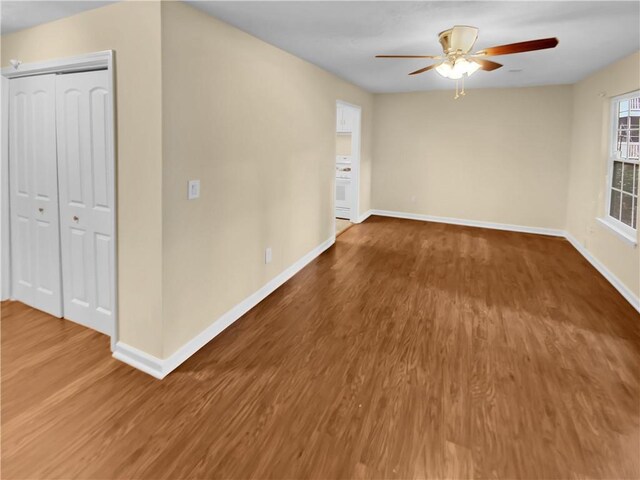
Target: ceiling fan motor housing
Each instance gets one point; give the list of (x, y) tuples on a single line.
[(459, 38)]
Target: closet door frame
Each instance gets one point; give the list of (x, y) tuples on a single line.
[(92, 61)]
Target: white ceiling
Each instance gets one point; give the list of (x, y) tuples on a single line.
[(17, 15), (343, 37)]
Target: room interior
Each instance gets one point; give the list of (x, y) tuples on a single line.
[(479, 316)]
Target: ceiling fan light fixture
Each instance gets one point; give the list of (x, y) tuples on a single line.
[(457, 69), (444, 69), (460, 67), (472, 68)]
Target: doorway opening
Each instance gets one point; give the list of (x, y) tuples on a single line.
[(347, 186)]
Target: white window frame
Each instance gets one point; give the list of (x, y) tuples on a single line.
[(627, 232)]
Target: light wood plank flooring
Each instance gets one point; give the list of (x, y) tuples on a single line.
[(408, 350)]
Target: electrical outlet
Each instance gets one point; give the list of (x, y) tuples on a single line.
[(413, 199), (268, 255), (193, 189)]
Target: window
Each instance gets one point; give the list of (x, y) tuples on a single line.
[(624, 164)]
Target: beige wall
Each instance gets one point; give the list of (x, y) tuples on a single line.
[(587, 192), (257, 126), (132, 29), (496, 155)]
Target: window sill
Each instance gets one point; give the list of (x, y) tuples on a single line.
[(619, 232)]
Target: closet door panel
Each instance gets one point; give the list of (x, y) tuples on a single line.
[(78, 272), (21, 261), (21, 204), (48, 279), (104, 260), (19, 143), (70, 148), (35, 239), (86, 198), (100, 177)]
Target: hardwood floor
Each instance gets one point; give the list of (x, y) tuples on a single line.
[(408, 350), (342, 225)]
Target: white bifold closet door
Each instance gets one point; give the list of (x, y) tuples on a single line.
[(35, 238), (86, 176)]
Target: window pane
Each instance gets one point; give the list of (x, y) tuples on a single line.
[(622, 135), (617, 175), (625, 173), (627, 177), (626, 215), (624, 106), (614, 210)]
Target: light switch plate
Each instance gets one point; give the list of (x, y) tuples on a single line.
[(194, 189), (268, 255)]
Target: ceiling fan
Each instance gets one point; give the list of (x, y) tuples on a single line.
[(457, 61)]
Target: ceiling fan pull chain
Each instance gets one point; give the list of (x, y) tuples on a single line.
[(462, 92), (456, 97)]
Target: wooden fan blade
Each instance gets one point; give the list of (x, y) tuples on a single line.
[(487, 65), (520, 47), (406, 56), (422, 70)]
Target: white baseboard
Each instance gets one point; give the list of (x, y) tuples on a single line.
[(606, 273), (160, 368), (138, 359), (364, 216), (470, 223)]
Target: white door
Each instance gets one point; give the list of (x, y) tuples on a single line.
[(35, 238), (86, 176)]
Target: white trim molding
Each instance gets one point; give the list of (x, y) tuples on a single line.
[(195, 344), (624, 231), (622, 234), (469, 223), (5, 247), (154, 366), (629, 296), (356, 154), (364, 216), (160, 368), (79, 63)]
